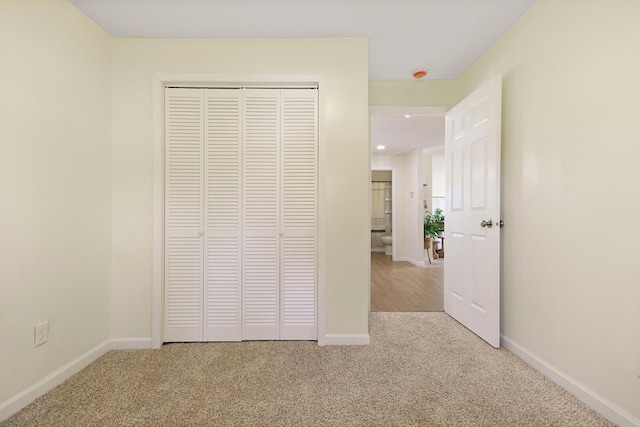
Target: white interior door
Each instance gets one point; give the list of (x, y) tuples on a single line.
[(222, 201), (261, 240), (183, 214), (298, 207), (472, 211), (240, 214)]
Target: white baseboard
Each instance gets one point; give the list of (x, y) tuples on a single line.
[(411, 260), (130, 343), (346, 339), (57, 377), (604, 407)]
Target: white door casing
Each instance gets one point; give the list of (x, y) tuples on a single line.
[(472, 262)]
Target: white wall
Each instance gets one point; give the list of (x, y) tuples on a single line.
[(571, 276), (415, 214), (437, 170), (55, 189), (344, 162), (408, 210)]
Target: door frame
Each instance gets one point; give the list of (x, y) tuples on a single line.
[(159, 82)]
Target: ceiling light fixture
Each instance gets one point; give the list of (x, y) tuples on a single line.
[(380, 147), (418, 74), (407, 116)]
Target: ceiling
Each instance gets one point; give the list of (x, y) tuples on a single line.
[(443, 37), (400, 134)]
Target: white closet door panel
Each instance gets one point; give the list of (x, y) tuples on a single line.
[(222, 276), (261, 145), (298, 288), (261, 133), (260, 288), (299, 213), (183, 214), (222, 289), (299, 158)]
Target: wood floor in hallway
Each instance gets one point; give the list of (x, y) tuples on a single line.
[(402, 286)]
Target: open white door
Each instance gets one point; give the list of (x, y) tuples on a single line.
[(472, 211)]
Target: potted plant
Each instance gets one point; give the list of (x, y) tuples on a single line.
[(433, 226), (433, 223)]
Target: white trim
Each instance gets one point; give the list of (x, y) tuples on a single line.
[(132, 343), (57, 377), (411, 260), (159, 82), (346, 339), (598, 403)]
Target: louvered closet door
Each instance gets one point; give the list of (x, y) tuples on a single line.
[(222, 250), (183, 214), (260, 311), (299, 139)]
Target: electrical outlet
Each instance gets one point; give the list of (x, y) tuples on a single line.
[(41, 333)]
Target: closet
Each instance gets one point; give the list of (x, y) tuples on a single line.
[(240, 214)]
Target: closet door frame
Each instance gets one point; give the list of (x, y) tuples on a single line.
[(159, 83)]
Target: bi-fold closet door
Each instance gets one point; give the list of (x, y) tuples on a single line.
[(240, 214)]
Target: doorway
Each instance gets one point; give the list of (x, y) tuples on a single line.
[(406, 140)]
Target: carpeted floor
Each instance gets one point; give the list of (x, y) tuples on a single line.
[(420, 369)]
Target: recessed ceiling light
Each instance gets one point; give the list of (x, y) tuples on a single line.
[(380, 147), (407, 116)]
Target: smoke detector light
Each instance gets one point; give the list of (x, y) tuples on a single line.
[(418, 74), (380, 147)]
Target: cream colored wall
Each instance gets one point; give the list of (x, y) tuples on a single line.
[(571, 276), (344, 162), (412, 93), (55, 189)]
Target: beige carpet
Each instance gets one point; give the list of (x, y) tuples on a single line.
[(420, 369)]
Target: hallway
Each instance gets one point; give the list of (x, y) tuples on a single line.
[(402, 286)]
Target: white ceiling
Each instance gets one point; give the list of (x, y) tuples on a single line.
[(400, 134), (442, 36)]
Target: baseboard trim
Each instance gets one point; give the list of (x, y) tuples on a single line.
[(346, 339), (411, 260), (140, 343), (57, 377), (598, 403)]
